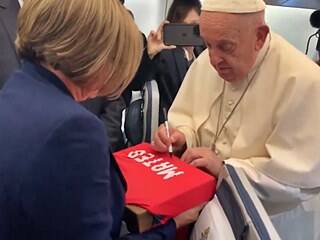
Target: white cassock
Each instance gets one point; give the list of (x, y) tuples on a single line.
[(273, 134)]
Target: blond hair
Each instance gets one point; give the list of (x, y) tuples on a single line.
[(84, 39)]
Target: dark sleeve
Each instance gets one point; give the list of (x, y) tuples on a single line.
[(111, 117), (144, 74), (110, 113), (164, 232), (8, 59)]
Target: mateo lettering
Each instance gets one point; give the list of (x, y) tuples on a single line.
[(158, 165)]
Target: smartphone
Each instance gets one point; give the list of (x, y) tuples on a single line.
[(182, 34)]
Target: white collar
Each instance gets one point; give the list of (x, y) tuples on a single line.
[(187, 55), (20, 2)]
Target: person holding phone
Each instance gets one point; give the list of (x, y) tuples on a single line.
[(58, 177), (170, 65), (252, 100)]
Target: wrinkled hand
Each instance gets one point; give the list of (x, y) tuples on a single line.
[(155, 41), (188, 216), (161, 141), (203, 158)]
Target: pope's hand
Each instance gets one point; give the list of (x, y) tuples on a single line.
[(161, 140), (203, 158)]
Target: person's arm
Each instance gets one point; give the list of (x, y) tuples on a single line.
[(152, 46), (68, 196), (144, 73), (111, 116), (289, 171), (110, 113), (268, 189), (9, 61), (163, 232), (271, 191), (168, 230)]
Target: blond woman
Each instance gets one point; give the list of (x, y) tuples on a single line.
[(58, 178)]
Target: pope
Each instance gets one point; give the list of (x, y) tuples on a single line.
[(252, 100)]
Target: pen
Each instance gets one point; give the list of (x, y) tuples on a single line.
[(166, 124)]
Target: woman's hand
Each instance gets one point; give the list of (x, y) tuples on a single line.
[(155, 42), (188, 216)]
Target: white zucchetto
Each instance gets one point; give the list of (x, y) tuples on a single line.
[(233, 6)]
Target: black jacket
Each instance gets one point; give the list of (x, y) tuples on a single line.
[(169, 69), (8, 57)]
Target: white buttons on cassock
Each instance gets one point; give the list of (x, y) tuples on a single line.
[(230, 102)]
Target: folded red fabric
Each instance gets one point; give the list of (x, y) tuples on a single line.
[(162, 184)]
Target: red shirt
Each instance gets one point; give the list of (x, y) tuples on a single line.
[(161, 184)]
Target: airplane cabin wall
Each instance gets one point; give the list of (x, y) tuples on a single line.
[(292, 23)]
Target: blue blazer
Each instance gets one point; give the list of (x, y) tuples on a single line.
[(58, 178)]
